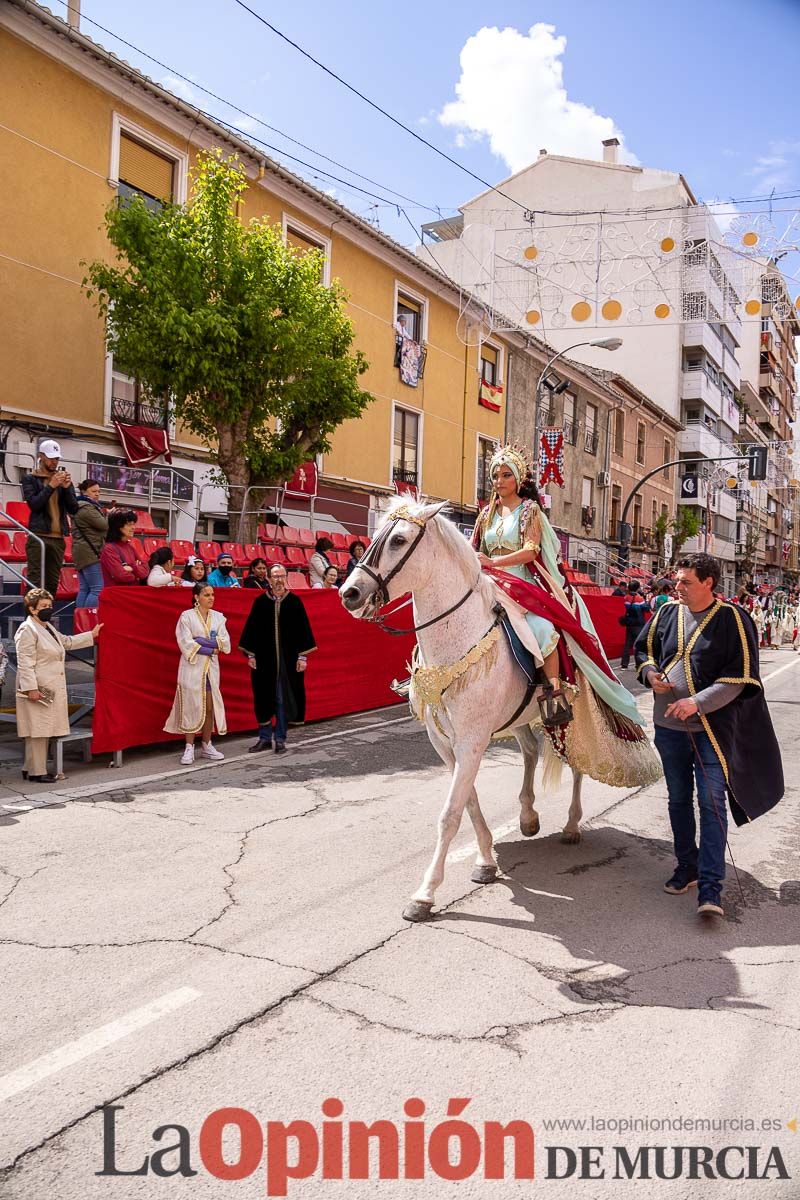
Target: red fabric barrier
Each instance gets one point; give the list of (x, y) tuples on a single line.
[(138, 663), (351, 671)]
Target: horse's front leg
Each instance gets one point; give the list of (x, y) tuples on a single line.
[(461, 787), (571, 833), (485, 869), (528, 816)]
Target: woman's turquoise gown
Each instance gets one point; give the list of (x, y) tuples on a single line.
[(503, 536)]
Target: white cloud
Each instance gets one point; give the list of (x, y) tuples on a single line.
[(512, 92), (247, 124), (724, 214), (778, 168)]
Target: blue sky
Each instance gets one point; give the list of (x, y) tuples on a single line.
[(705, 88)]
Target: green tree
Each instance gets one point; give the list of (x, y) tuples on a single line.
[(234, 327), (685, 524)]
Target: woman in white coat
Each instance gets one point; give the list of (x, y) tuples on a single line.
[(42, 711), (202, 635)]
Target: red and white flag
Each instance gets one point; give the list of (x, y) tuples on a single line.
[(143, 443), (490, 395)]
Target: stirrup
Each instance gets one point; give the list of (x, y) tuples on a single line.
[(554, 706)]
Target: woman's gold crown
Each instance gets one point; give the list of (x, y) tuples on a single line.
[(513, 454)]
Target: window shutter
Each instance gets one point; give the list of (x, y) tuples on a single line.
[(145, 169)]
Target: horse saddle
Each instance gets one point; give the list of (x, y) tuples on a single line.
[(521, 654)]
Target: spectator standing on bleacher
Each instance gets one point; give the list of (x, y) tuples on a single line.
[(120, 560), (50, 496), (194, 572), (89, 529), (223, 574), (42, 711), (319, 561), (257, 575), (277, 638)]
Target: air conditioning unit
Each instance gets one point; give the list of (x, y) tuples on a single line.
[(604, 479)]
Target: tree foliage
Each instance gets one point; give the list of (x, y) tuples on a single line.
[(233, 326), (685, 524)]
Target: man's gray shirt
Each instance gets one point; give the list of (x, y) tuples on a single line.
[(708, 700)]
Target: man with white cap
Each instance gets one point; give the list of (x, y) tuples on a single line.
[(50, 496)]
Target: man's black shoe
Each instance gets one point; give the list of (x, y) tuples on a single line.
[(681, 881), (260, 747), (280, 747), (709, 903)]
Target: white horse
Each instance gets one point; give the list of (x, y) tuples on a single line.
[(420, 552)]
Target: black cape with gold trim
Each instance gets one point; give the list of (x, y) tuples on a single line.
[(724, 649)]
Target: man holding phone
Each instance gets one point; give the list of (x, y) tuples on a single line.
[(50, 496), (713, 728)]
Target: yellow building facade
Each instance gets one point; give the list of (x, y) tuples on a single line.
[(80, 128)]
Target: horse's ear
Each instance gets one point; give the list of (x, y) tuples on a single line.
[(427, 511)]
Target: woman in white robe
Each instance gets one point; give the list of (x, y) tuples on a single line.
[(202, 636)]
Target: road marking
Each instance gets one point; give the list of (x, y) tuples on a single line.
[(73, 1052), (786, 667), (456, 856)]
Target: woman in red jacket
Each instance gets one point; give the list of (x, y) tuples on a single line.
[(119, 559)]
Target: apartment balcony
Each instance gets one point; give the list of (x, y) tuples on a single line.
[(726, 505), (757, 405), (698, 440), (700, 333), (152, 412), (697, 386), (404, 475)]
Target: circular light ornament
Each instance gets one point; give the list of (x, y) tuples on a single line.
[(667, 245), (530, 252), (662, 311), (612, 310), (581, 311), (533, 316)]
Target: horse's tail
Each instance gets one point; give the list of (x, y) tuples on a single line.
[(551, 776)]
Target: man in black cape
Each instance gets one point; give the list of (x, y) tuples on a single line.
[(276, 639), (700, 657)]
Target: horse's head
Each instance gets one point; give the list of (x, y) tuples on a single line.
[(397, 561)]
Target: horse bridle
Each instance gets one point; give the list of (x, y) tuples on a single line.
[(370, 561)]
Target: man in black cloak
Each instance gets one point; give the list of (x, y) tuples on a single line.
[(700, 657), (276, 639)]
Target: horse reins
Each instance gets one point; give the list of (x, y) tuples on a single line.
[(370, 562)]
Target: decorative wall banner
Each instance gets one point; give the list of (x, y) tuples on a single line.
[(143, 443), (551, 457)]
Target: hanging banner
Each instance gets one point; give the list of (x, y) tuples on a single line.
[(143, 443), (551, 457), (304, 481), (490, 395)]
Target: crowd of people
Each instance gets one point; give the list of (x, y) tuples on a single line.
[(105, 551)]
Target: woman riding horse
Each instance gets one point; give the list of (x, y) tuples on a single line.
[(513, 537)]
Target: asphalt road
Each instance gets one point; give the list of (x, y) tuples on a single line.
[(233, 937)]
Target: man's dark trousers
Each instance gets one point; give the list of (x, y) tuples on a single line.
[(54, 549), (631, 634), (683, 766)]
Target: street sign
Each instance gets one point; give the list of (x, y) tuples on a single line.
[(756, 463), (689, 487)]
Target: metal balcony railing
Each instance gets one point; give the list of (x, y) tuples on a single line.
[(404, 475), (152, 412), (570, 433), (590, 441)]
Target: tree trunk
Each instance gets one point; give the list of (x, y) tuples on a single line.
[(237, 473)]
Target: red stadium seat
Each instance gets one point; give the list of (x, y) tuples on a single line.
[(8, 549), (182, 551), (139, 548), (252, 550), (295, 556), (146, 525), (289, 536), (19, 511), (237, 553), (19, 540), (151, 544), (267, 533), (341, 558), (341, 541), (307, 537), (67, 584), (274, 554), (209, 551), (296, 581)]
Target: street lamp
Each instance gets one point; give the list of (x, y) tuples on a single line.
[(609, 343)]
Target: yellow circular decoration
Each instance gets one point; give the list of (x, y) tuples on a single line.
[(581, 311), (533, 317), (667, 244), (750, 239), (797, 303), (662, 311), (612, 310), (531, 252), (753, 308)]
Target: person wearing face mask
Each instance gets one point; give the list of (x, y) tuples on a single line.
[(41, 682), (277, 638), (223, 575)]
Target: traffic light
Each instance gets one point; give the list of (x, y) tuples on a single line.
[(756, 463)]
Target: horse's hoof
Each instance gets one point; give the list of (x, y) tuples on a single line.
[(418, 910), (529, 828), (484, 874), (569, 838)]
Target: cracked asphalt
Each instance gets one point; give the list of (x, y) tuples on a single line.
[(574, 987)]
